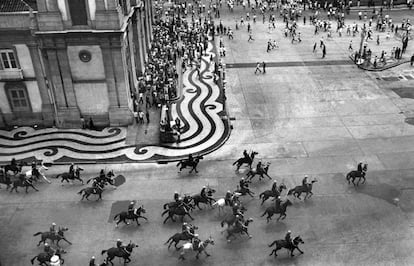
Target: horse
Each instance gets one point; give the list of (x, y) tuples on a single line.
[(22, 182), (180, 211), (357, 174), (174, 204), (15, 168), (230, 219), (186, 163), (105, 179), (282, 243), (245, 160), (265, 195), (261, 172), (38, 173), (298, 190), (206, 200), (272, 210), (118, 252), (176, 238), (201, 248), (68, 176), (5, 178), (244, 191), (123, 216), (53, 236), (91, 190), (45, 258), (235, 229)]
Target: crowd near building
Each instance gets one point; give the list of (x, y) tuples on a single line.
[(68, 62)]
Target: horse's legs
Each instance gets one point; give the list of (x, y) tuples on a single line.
[(189, 216), (136, 220), (67, 241), (363, 182), (166, 219), (296, 247), (33, 187)]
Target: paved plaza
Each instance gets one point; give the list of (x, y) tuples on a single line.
[(305, 115)]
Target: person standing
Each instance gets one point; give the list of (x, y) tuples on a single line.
[(323, 51), (250, 36), (147, 116), (264, 67), (412, 60)]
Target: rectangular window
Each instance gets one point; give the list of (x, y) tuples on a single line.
[(19, 99), (8, 59), (77, 9)]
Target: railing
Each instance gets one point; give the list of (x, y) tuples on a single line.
[(11, 74)]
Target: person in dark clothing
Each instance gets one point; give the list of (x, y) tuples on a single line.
[(264, 67), (147, 116)]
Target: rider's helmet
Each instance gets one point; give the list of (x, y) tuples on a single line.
[(53, 224), (180, 198), (132, 202), (184, 223), (228, 191), (306, 175), (237, 216), (278, 197), (204, 186), (289, 232), (242, 178), (195, 235), (274, 181), (46, 244)]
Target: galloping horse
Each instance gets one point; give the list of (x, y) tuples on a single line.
[(105, 179), (357, 174), (244, 191), (15, 168), (261, 172), (50, 235), (265, 195), (246, 160), (206, 200), (29, 173), (22, 182), (44, 258), (118, 252), (173, 204), (176, 238), (235, 229), (123, 216), (284, 244), (91, 190), (67, 176), (272, 210), (193, 164), (180, 211), (298, 190), (201, 248)]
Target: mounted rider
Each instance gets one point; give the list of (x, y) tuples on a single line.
[(49, 250), (240, 223), (246, 155), (97, 185), (236, 210), (259, 167), (288, 238), (278, 203), (121, 246), (52, 229), (176, 196), (243, 184), (186, 229), (196, 242), (361, 169), (77, 171), (132, 211), (102, 174), (203, 193), (190, 158), (274, 187), (305, 183), (228, 198), (13, 162), (35, 172), (72, 170)]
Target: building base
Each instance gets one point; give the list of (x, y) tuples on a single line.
[(120, 116)]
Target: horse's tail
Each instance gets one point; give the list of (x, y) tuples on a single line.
[(116, 216), (165, 206), (178, 164), (103, 252), (168, 241), (261, 195), (58, 175), (38, 233), (32, 260), (291, 191), (89, 180), (164, 212), (80, 192), (263, 213), (348, 176)]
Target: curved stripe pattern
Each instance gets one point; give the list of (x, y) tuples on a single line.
[(199, 108)]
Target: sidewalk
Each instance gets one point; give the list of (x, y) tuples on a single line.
[(389, 63)]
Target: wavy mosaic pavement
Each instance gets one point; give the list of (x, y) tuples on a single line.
[(200, 108)]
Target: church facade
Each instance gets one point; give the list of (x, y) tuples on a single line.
[(64, 61)]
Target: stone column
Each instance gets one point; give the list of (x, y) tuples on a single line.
[(139, 62), (100, 5), (47, 108), (52, 5)]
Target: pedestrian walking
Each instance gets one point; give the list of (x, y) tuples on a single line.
[(378, 40), (257, 68), (264, 67), (314, 47), (412, 60), (136, 117), (141, 116), (250, 37), (323, 51), (350, 46), (147, 116)]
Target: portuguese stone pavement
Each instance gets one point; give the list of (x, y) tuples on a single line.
[(200, 109)]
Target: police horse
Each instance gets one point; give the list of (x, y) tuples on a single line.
[(265, 195), (119, 252), (69, 177), (261, 172), (237, 229), (298, 190), (270, 211), (282, 243), (45, 258), (58, 236), (201, 248), (92, 190), (39, 173), (245, 160), (124, 216), (187, 163), (206, 200), (351, 176), (176, 238)]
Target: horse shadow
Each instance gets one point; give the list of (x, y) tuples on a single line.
[(275, 227)]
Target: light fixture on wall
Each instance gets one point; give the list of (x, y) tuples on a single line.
[(85, 56)]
